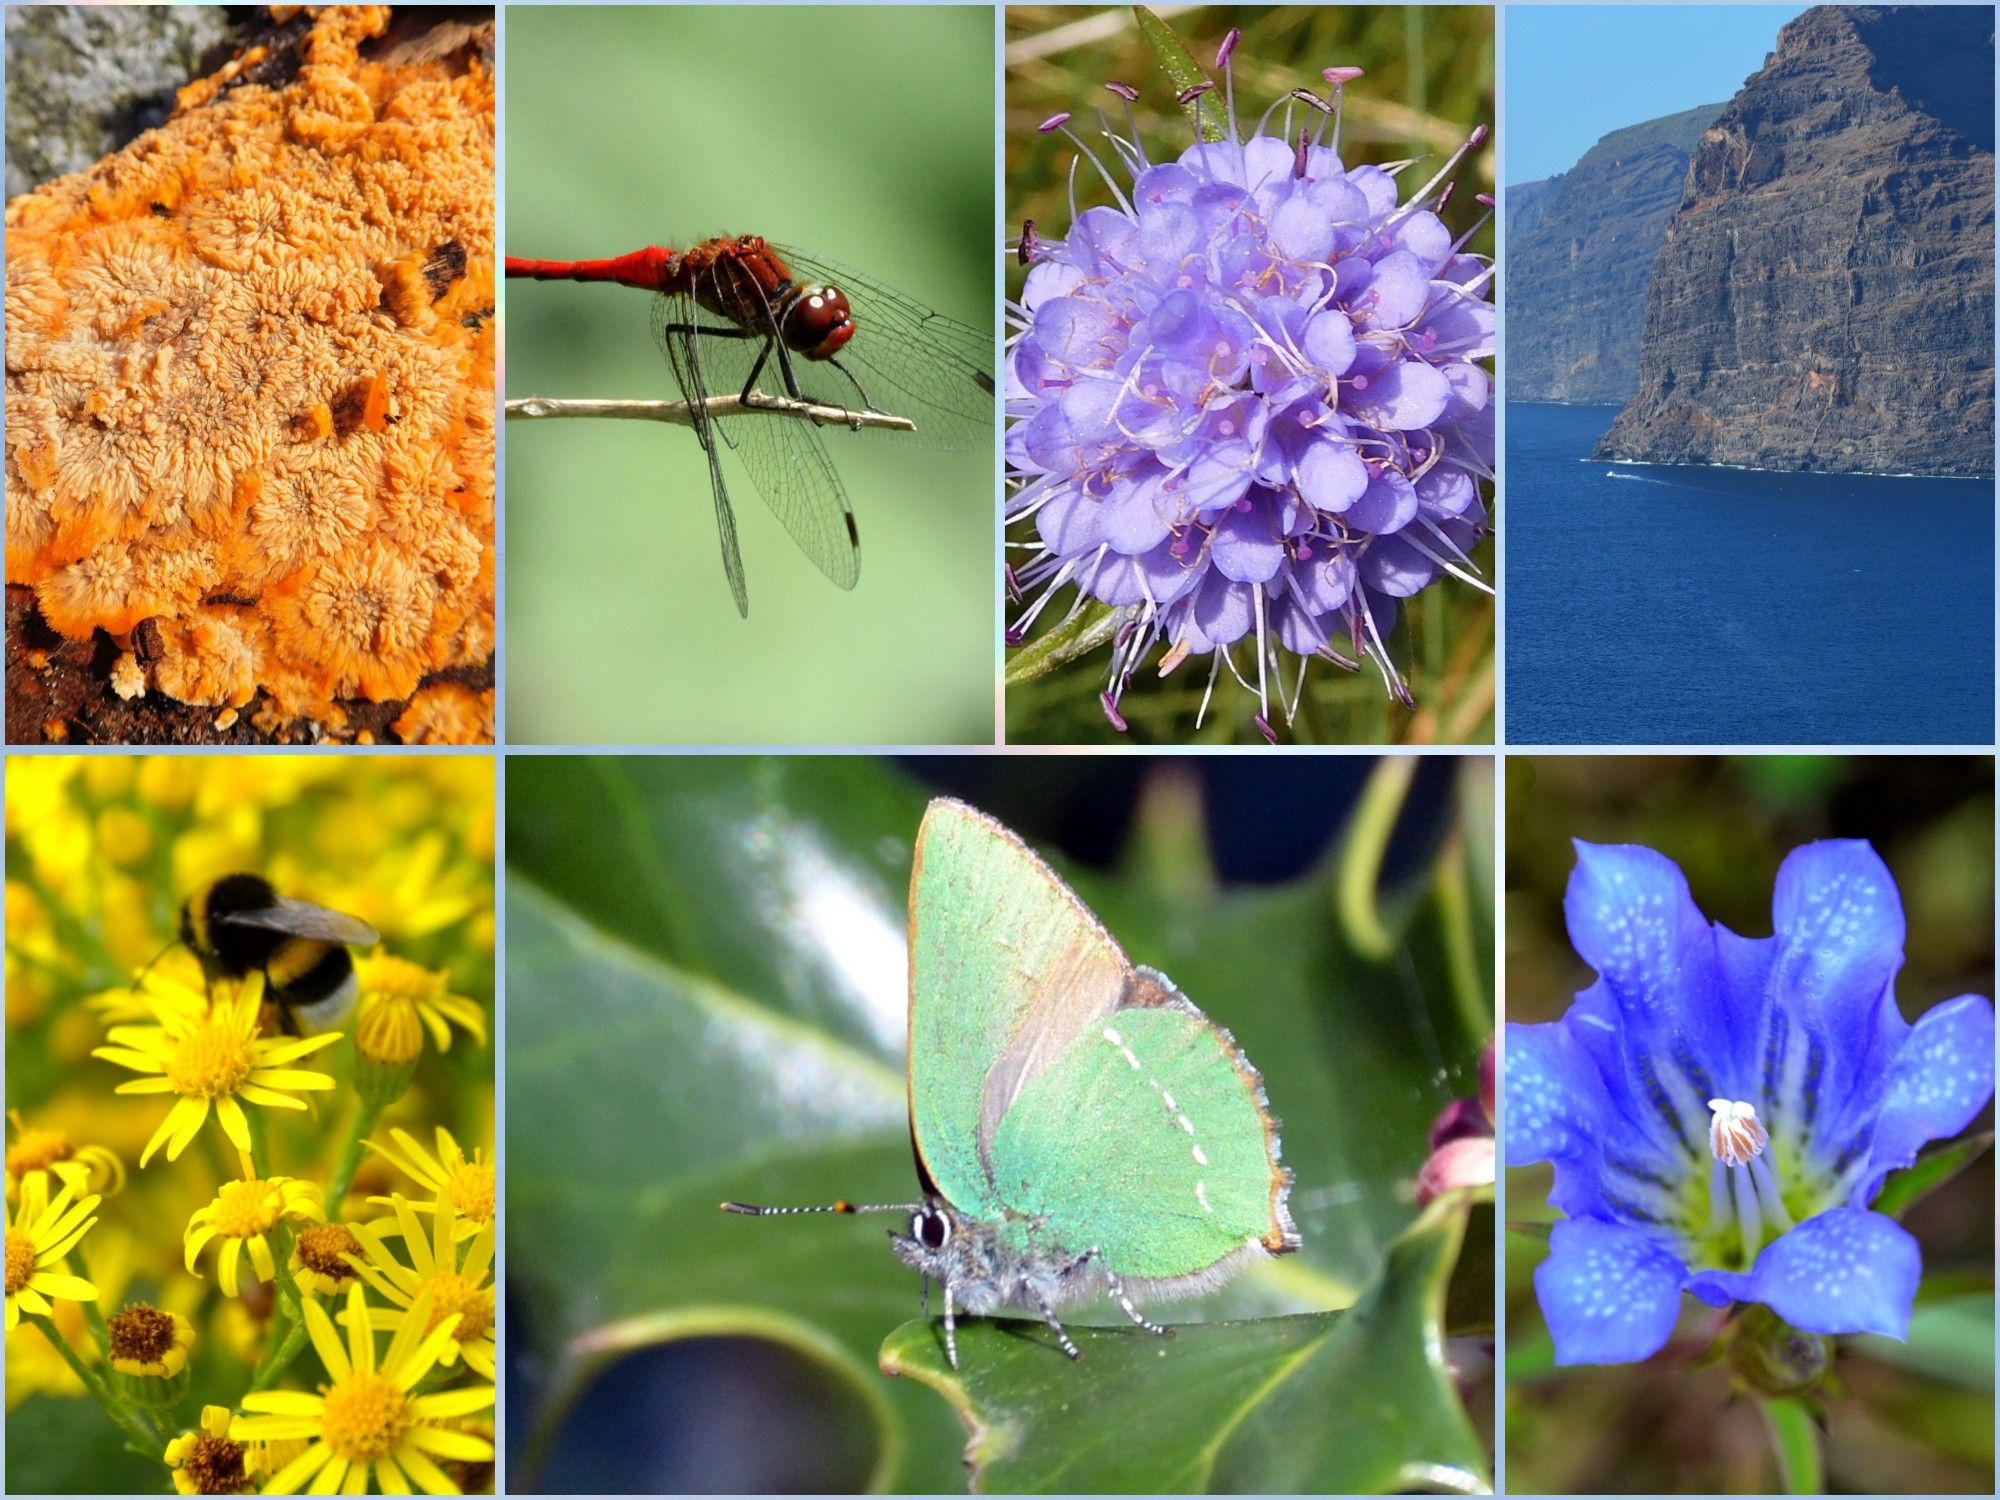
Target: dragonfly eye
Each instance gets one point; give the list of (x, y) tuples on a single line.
[(819, 322)]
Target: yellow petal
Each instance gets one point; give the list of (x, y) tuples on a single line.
[(360, 1342), (288, 1479), (448, 1444), (319, 1327), (193, 1113), (69, 1288), (286, 1403), (462, 1402), (420, 1469), (234, 1124), (389, 1479)]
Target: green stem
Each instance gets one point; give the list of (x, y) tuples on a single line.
[(280, 1356), (1453, 895), (136, 1425), (366, 1113), (260, 1146), (92, 1313), (1796, 1439), (1361, 862)]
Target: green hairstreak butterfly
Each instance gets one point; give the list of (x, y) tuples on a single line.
[(1080, 1128)]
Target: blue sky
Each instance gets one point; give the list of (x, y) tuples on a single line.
[(1576, 72)]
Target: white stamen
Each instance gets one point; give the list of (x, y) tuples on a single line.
[(1735, 1134)]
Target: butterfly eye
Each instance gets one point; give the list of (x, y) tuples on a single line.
[(933, 1230)]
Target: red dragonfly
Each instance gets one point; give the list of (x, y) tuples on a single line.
[(730, 312)]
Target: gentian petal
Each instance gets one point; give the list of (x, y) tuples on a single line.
[(1839, 922), (1554, 1096), (1609, 1293), (1844, 1271), (1940, 1083)]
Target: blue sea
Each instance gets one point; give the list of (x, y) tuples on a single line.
[(1688, 606)]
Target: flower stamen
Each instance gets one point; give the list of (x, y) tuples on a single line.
[(1735, 1134)]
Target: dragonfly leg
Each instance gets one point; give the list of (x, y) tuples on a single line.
[(866, 404)]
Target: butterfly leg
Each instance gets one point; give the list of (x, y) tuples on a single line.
[(1119, 1296), (950, 1329), (1062, 1336)]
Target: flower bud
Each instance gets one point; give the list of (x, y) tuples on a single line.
[(1774, 1358), (149, 1354)]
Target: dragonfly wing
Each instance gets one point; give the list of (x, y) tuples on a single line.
[(676, 321), (788, 462), (907, 360), (786, 459)]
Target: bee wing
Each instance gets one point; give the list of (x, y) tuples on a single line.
[(303, 919)]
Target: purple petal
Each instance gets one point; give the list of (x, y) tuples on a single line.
[(1330, 476), (1609, 1294), (1388, 504), (1402, 396), (1246, 548), (1941, 1081), (1844, 1271), (1329, 341)]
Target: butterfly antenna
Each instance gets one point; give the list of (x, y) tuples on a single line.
[(839, 1206)]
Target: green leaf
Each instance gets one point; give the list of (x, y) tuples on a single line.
[(1079, 635), (1181, 69), (706, 999), (1950, 1341), (77, 1450), (1928, 1173), (1796, 1437), (1358, 1402)]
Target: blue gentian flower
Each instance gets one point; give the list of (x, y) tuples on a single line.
[(1720, 1111), (1247, 403)]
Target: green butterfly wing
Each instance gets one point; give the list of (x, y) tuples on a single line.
[(1150, 1140), (1050, 1080), (1007, 968)]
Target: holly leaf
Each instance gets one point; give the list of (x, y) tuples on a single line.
[(1353, 1402)]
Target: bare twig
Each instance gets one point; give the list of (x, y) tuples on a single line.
[(681, 413)]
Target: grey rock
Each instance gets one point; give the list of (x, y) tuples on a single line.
[(83, 80), (1580, 248), (1823, 299)]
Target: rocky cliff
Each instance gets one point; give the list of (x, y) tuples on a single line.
[(1580, 250), (1823, 299)]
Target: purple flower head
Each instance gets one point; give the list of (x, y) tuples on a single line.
[(1248, 402), (1721, 1110)]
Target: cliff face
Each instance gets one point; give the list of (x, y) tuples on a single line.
[(1580, 250), (1823, 299)]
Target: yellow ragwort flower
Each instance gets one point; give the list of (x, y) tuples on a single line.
[(455, 1290), (466, 1183), (40, 1232), (215, 1060), (365, 1422), (243, 1214), (147, 1341), (383, 977), (390, 1034), (92, 1169), (210, 1460), (319, 1263)]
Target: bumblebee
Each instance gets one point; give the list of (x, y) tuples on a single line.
[(240, 925)]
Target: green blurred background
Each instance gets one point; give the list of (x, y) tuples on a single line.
[(861, 134), (1907, 1418), (1429, 82)]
